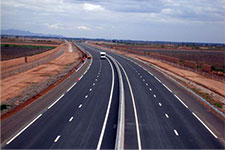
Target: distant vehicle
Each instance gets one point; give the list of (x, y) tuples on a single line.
[(89, 57), (102, 55)]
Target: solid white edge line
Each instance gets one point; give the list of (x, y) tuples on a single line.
[(181, 101), (204, 125), (176, 133), (157, 79), (167, 88), (23, 129), (108, 109), (69, 88), (57, 138), (55, 101), (134, 107)]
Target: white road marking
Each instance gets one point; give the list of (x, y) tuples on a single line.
[(167, 88), (57, 138), (204, 125), (167, 116), (181, 101), (146, 84), (71, 118), (140, 76), (134, 106), (175, 131), (160, 104), (96, 79), (157, 79), (24, 129), (90, 89), (143, 79), (55, 101), (81, 77), (70, 88), (86, 96), (154, 95), (93, 84), (150, 73), (97, 76), (150, 89), (138, 73), (108, 109), (80, 105)]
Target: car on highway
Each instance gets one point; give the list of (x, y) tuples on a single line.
[(102, 55), (89, 56)]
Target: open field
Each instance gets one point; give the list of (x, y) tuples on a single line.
[(19, 87), (12, 51), (197, 57)]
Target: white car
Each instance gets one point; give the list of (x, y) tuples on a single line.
[(102, 55)]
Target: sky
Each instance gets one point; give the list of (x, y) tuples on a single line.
[(150, 20)]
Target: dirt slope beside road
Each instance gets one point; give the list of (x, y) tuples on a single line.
[(18, 88)]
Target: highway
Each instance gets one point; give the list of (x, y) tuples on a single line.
[(87, 116)]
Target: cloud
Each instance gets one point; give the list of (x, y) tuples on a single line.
[(55, 26), (92, 7), (83, 28)]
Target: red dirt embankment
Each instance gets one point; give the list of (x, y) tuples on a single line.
[(16, 87)]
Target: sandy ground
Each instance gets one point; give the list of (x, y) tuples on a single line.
[(213, 85), (16, 84)]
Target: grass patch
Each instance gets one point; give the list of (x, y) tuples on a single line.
[(207, 97), (28, 46)]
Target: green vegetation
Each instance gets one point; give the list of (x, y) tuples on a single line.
[(218, 69), (207, 97), (4, 106), (28, 46), (199, 66)]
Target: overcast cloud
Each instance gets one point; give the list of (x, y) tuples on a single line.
[(163, 20)]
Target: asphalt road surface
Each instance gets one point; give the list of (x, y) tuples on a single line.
[(86, 115)]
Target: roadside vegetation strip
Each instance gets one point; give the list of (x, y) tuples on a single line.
[(108, 108)]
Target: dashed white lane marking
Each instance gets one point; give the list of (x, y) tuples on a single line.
[(140, 76), (181, 101), (143, 79), (154, 95), (97, 76), (94, 84), (176, 133), (80, 105), (150, 89), (138, 73), (157, 79), (204, 125), (160, 104), (55, 101), (90, 89), (146, 84), (24, 129), (96, 79), (86, 96), (57, 138), (167, 88), (167, 116), (71, 118)]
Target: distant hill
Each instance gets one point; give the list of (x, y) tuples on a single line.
[(26, 33)]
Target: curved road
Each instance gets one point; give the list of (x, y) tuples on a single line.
[(86, 115)]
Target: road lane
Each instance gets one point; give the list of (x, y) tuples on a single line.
[(179, 129), (86, 107)]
